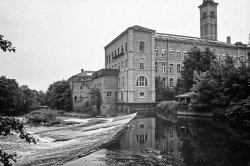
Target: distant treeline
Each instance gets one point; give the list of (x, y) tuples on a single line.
[(19, 100)]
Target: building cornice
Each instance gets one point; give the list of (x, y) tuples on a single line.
[(135, 28)]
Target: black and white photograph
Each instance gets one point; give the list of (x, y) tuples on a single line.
[(124, 83)]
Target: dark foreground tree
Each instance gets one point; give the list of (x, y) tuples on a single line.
[(225, 89), (8, 94), (59, 96), (8, 99), (6, 126), (197, 60), (6, 45)]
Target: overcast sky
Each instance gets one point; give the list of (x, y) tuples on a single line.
[(55, 39)]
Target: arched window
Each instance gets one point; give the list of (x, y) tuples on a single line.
[(142, 81)]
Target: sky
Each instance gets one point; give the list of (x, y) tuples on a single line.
[(55, 39)]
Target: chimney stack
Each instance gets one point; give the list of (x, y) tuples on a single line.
[(229, 40), (82, 70)]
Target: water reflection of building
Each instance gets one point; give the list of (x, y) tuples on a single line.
[(169, 141), (140, 136)]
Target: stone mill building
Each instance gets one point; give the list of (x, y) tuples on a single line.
[(135, 57)]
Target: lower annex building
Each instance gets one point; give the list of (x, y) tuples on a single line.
[(138, 55)]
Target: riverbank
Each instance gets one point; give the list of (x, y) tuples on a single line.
[(193, 113), (57, 146)]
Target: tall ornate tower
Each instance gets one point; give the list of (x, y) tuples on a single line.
[(208, 19)]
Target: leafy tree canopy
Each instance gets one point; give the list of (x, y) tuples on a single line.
[(197, 60), (59, 96), (6, 45)]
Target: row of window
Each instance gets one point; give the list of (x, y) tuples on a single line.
[(170, 83), (171, 53), (120, 66), (171, 68), (223, 57), (109, 94), (111, 57)]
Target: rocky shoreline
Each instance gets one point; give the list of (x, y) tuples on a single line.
[(79, 141)]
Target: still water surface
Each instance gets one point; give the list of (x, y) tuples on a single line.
[(187, 141)]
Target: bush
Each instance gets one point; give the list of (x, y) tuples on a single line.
[(239, 112), (168, 109), (46, 116)]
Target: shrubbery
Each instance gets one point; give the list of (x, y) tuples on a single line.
[(43, 116), (168, 109)]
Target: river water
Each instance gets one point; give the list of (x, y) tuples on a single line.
[(188, 141)]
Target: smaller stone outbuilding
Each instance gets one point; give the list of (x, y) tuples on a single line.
[(106, 80)]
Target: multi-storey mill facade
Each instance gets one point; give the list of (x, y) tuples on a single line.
[(141, 54), (163, 53)]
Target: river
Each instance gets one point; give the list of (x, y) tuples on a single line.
[(189, 141)]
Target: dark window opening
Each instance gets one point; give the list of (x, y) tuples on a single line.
[(142, 46)]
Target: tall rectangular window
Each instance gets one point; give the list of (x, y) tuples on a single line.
[(204, 15), (122, 81), (242, 58), (156, 67), (122, 49), (118, 51), (163, 66), (163, 52), (142, 46), (171, 54), (109, 58), (212, 14), (109, 94), (164, 82), (112, 55), (119, 68), (178, 55), (156, 52), (121, 95), (171, 68), (178, 68), (122, 64), (126, 47), (171, 82), (185, 54), (126, 63), (141, 65), (119, 82)]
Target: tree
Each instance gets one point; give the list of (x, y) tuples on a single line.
[(225, 88), (8, 94), (197, 60), (163, 93), (96, 99), (42, 98), (8, 97), (6, 126), (59, 96), (6, 45)]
